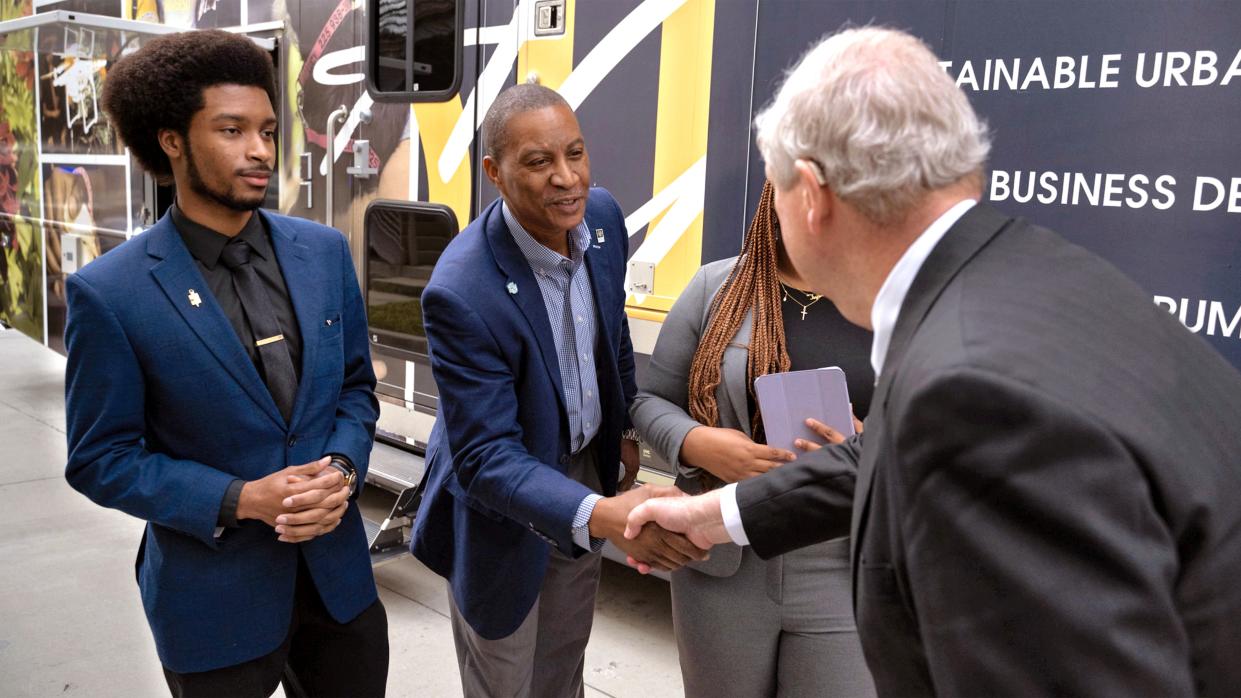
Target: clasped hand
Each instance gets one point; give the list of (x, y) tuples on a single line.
[(698, 519), (653, 546), (300, 501)]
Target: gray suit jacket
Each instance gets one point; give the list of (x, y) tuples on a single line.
[(661, 410), (1049, 499)]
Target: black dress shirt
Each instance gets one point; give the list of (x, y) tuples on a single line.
[(205, 245), (825, 338)]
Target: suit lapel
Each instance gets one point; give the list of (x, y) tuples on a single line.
[(176, 273), (605, 354), (523, 289), (597, 271), (964, 240), (306, 293)]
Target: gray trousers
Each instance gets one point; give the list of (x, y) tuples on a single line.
[(545, 656), (781, 627)]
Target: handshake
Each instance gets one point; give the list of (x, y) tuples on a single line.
[(300, 502), (660, 528)]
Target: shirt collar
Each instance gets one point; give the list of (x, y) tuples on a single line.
[(541, 258), (206, 244), (887, 308)]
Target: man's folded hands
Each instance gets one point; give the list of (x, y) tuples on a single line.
[(300, 502)]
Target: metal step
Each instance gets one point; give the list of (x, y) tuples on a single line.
[(378, 557), (393, 469), (397, 471)]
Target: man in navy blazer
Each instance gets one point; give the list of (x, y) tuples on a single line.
[(242, 459), (530, 349)]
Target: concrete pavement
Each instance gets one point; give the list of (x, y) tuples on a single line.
[(71, 622)]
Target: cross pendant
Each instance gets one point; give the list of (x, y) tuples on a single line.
[(803, 313)]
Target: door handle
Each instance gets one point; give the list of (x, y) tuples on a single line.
[(336, 117)]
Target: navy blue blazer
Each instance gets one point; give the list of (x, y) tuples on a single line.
[(164, 410), (496, 495)]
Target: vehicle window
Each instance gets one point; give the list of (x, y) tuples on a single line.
[(413, 51), (403, 242)]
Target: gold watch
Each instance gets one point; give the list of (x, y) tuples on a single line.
[(351, 475)]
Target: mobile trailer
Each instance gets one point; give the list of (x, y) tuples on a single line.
[(1112, 124)]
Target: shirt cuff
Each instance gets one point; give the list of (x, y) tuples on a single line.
[(228, 507), (581, 525), (732, 515), (341, 457)]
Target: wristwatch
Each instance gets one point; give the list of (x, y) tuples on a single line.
[(346, 469), (631, 434)]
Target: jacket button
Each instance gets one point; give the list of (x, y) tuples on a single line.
[(292, 441), (564, 460)]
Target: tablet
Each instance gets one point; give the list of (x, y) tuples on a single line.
[(787, 399)]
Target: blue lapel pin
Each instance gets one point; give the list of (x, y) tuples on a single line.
[(512, 288)]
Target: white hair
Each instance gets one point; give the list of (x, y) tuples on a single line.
[(874, 109)]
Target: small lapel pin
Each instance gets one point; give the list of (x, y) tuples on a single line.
[(195, 299), (599, 235), (512, 288)]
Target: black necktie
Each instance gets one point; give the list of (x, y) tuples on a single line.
[(268, 338)]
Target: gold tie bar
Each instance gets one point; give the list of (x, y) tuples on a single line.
[(269, 340)]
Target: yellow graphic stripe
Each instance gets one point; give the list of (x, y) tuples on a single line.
[(291, 167), (435, 122), (551, 58), (681, 134)]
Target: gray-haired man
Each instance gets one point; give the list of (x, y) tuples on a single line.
[(1049, 496)]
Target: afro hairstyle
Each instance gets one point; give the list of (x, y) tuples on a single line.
[(160, 86)]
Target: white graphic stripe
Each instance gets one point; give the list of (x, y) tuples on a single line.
[(610, 51), (487, 35), (415, 148), (586, 76), (490, 82), (686, 195), (665, 198)]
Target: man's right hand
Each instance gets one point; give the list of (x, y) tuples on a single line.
[(729, 454), (654, 547), (311, 492), (657, 549), (698, 518)]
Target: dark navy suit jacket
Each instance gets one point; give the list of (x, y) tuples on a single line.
[(164, 410), (497, 497)]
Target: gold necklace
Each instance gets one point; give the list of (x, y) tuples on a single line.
[(814, 298)]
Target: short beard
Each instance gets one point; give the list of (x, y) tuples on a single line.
[(200, 187)]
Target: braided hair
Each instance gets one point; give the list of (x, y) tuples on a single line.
[(753, 284)]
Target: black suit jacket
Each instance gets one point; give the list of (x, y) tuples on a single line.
[(1049, 496)]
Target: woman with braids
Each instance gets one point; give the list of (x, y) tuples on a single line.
[(745, 626)]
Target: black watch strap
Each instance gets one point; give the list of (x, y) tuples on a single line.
[(346, 468)]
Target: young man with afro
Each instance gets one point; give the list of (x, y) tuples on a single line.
[(219, 387)]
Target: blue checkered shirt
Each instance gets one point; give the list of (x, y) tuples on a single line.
[(571, 313)]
